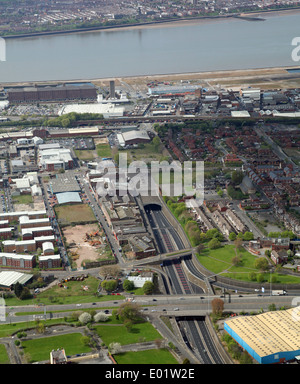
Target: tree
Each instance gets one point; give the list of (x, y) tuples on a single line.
[(214, 244), (217, 306), (109, 285), (114, 348), (252, 276), (100, 317), (248, 236), (85, 318), (200, 248), (129, 311), (237, 177), (85, 340), (236, 260), (18, 288), (148, 288), (128, 285), (232, 236), (261, 263)]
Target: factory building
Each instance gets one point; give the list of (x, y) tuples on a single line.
[(173, 90), (270, 337), (9, 278), (55, 159), (57, 92), (107, 110), (133, 137)]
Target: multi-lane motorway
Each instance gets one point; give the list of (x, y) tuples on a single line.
[(184, 300)]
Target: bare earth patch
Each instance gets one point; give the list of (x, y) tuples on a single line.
[(81, 249)]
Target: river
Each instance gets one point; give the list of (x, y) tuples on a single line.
[(206, 45)]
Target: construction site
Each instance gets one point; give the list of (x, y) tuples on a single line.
[(86, 242)]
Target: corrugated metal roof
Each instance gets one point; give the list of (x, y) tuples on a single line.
[(269, 333), (8, 278), (68, 197)]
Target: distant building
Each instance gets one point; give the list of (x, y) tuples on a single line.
[(135, 137), (57, 92), (139, 281), (18, 261), (58, 356), (10, 278), (49, 261)]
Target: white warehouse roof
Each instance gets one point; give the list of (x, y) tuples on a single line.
[(106, 110), (8, 278)]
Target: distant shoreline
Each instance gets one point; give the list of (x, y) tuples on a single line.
[(234, 73), (155, 24)]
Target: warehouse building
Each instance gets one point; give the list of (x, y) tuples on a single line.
[(271, 337), (55, 159), (64, 183), (56, 92), (133, 137), (107, 110), (10, 278), (68, 198), (173, 90)]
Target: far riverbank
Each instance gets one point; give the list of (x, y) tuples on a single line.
[(255, 15)]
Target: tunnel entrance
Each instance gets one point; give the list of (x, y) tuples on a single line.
[(152, 207)]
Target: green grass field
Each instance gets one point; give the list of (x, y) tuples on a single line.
[(74, 214), (74, 294), (4, 359), (39, 349), (151, 356), (103, 150), (85, 155), (219, 261), (118, 333), (22, 199)]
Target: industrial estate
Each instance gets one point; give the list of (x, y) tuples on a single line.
[(90, 274)]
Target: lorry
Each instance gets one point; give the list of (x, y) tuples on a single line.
[(278, 293)]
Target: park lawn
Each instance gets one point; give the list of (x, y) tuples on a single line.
[(74, 294), (151, 356), (118, 333), (74, 213), (10, 329), (4, 358), (39, 349), (103, 150), (220, 259), (280, 278)]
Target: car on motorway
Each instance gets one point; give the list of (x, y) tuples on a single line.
[(176, 309), (78, 305)]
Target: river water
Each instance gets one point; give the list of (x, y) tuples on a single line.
[(207, 45)]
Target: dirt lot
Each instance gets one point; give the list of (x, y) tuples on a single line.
[(81, 249)]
